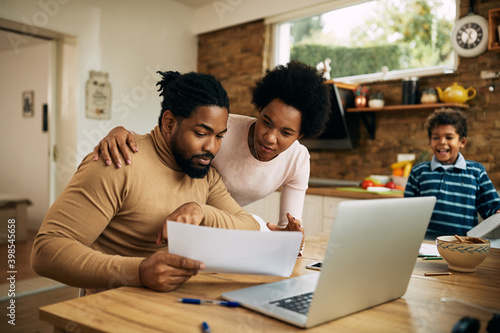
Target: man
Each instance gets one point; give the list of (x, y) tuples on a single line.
[(107, 228)]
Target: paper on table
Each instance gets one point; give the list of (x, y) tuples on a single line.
[(428, 250), (236, 251)]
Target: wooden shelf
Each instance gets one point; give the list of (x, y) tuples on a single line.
[(430, 106), (494, 22), (342, 85)]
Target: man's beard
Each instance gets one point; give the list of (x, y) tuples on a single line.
[(187, 164)]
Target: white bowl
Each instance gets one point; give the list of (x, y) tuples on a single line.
[(462, 257), (376, 103)]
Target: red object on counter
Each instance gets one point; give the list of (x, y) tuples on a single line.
[(390, 185), (366, 183)]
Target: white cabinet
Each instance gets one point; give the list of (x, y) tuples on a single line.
[(312, 215), (318, 214), (268, 208), (330, 210)]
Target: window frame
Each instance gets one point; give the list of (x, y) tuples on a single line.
[(278, 38)]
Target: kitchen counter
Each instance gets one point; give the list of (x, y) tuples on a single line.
[(345, 189), (342, 192)]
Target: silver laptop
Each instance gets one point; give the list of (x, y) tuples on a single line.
[(369, 259)]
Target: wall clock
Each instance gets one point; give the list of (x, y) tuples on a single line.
[(469, 37)]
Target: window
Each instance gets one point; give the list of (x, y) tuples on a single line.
[(372, 40)]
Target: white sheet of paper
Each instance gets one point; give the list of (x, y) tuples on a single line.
[(236, 251), (428, 250)]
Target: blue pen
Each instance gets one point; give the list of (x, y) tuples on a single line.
[(229, 304), (205, 328)]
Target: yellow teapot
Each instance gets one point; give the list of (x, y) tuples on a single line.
[(456, 94)]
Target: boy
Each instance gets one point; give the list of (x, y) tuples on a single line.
[(462, 188)]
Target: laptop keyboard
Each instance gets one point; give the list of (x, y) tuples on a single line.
[(298, 303)]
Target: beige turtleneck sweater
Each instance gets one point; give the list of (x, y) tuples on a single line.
[(106, 220)]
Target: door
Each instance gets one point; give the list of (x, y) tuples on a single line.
[(59, 162), (25, 89)]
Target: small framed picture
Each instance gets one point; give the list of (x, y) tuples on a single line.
[(28, 103)]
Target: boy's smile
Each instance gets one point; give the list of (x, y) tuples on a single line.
[(446, 143)]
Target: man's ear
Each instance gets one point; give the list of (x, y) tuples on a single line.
[(168, 122)]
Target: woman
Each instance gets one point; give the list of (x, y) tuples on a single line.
[(260, 155)]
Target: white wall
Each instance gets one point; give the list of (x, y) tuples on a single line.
[(24, 166), (128, 39)]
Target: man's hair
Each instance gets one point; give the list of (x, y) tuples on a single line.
[(183, 93), (448, 116), (300, 86)]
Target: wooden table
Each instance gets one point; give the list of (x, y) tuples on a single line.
[(421, 309)]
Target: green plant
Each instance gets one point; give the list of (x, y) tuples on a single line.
[(348, 61)]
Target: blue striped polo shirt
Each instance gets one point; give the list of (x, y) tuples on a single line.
[(462, 191)]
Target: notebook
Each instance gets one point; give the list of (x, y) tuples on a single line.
[(369, 259)]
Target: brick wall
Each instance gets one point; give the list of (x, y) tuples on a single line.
[(235, 56)]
